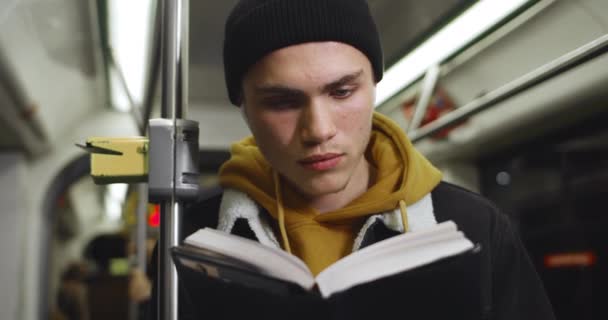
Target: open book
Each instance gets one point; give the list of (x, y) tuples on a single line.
[(234, 259)]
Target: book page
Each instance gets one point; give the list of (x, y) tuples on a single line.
[(272, 261), (407, 239), (392, 256), (357, 259), (440, 228)]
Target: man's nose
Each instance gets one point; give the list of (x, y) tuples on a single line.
[(317, 123)]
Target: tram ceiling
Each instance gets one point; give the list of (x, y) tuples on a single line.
[(42, 42), (402, 25)]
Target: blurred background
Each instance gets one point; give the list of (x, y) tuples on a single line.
[(507, 97)]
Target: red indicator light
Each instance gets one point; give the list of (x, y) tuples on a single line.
[(570, 259), (154, 217)]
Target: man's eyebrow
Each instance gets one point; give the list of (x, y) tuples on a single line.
[(277, 90), (342, 81), (288, 91)]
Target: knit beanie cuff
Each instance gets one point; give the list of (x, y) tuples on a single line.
[(256, 28)]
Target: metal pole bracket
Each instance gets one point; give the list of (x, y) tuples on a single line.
[(163, 161)]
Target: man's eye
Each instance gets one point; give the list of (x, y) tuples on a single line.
[(342, 93)]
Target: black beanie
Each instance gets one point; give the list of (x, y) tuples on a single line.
[(256, 28)]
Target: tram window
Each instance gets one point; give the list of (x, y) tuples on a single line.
[(556, 195), (92, 252)]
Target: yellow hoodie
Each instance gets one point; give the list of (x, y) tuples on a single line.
[(403, 176)]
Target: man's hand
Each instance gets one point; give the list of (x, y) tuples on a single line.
[(139, 286)]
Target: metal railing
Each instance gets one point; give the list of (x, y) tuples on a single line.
[(554, 68)]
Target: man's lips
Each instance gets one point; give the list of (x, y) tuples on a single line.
[(321, 162)]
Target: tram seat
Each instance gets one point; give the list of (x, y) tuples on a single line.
[(108, 297)]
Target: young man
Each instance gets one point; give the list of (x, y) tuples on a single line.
[(323, 174)]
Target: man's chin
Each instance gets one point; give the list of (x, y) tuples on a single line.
[(315, 190)]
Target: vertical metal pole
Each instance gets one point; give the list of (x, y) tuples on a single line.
[(153, 67), (140, 236), (174, 106), (428, 87)]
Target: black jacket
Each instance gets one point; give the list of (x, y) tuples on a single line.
[(510, 287)]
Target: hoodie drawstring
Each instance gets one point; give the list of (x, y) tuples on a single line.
[(403, 211), (280, 211)]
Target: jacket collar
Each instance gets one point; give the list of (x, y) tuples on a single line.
[(237, 206)]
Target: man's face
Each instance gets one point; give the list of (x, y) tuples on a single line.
[(310, 107)]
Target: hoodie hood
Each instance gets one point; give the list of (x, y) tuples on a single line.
[(402, 174)]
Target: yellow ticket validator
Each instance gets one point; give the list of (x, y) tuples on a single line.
[(118, 159)]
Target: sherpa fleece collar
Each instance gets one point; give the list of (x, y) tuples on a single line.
[(237, 205)]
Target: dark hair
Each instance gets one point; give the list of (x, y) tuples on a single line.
[(105, 247)]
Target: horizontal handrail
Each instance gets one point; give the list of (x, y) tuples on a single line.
[(556, 67)]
